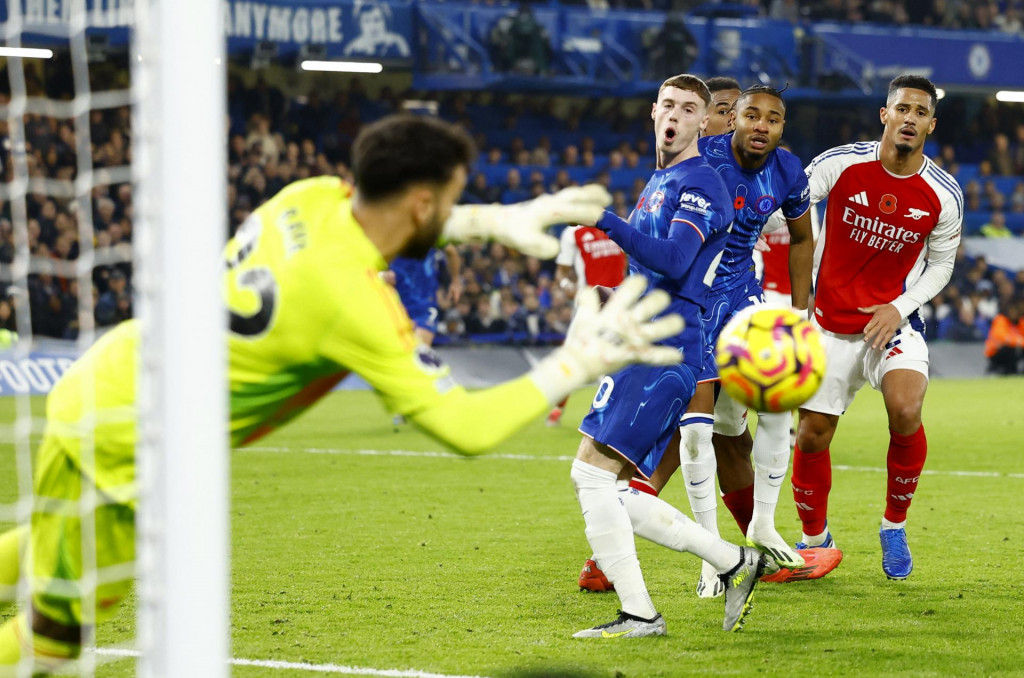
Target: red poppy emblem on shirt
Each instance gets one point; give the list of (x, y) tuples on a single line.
[(739, 202), (888, 203)]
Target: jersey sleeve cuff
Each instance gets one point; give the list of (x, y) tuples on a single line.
[(904, 306)]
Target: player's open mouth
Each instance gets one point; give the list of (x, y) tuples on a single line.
[(758, 142), (670, 135), (908, 132)]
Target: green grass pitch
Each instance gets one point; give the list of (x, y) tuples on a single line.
[(444, 565)]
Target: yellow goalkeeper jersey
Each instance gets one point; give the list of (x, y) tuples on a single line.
[(307, 307)]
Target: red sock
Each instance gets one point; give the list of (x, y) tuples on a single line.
[(905, 462), (638, 482), (812, 481), (741, 505)]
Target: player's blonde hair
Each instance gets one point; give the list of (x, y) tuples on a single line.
[(690, 83)]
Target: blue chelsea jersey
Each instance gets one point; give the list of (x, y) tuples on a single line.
[(688, 194), (416, 280), (755, 194)]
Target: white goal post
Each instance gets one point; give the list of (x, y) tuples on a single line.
[(179, 64)]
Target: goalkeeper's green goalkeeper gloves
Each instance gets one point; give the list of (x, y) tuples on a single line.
[(522, 226), (602, 340)]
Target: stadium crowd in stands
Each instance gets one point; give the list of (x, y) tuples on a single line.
[(528, 145)]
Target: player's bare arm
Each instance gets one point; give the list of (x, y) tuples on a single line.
[(565, 277), (454, 262), (801, 258)]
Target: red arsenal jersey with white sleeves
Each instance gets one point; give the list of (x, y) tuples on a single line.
[(597, 258), (878, 230), (776, 262)]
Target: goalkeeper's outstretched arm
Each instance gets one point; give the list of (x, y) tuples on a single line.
[(523, 225), (412, 380)]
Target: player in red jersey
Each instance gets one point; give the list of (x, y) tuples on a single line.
[(775, 268), (892, 227), (587, 256)]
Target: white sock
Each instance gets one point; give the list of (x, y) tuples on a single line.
[(697, 461), (889, 525), (771, 461), (610, 534), (657, 521), (814, 539)]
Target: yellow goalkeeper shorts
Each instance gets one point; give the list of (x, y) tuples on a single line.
[(78, 577)]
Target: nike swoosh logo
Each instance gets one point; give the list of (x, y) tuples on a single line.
[(605, 634), (771, 477), (700, 483)]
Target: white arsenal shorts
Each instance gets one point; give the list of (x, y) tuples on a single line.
[(852, 361)]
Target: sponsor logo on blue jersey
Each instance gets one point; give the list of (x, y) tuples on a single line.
[(694, 203)]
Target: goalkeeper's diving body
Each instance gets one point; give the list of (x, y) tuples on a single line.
[(307, 308)]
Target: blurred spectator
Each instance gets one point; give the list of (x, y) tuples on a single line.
[(519, 43), (671, 48), (788, 10), (1000, 156), (514, 191), (46, 301), (1017, 198), (482, 191), (996, 227), (1004, 346), (109, 308), (484, 320), (7, 317)]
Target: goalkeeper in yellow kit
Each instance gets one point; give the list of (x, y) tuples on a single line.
[(307, 307)]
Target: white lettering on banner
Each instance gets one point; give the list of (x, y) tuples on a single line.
[(12, 375), (110, 13), (35, 374), (104, 13), (277, 25), (300, 25), (334, 21), (35, 10), (242, 25), (242, 18), (318, 26), (304, 25), (259, 16), (47, 364), (36, 379)]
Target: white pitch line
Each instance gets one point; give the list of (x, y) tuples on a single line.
[(304, 666), (566, 458)]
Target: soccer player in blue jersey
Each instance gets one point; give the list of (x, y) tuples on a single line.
[(416, 281), (675, 236), (762, 179)]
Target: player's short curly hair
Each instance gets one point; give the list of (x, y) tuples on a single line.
[(765, 89), (721, 82), (912, 82), (690, 83), (400, 150)]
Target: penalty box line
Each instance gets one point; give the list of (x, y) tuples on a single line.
[(567, 458), (115, 653)]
